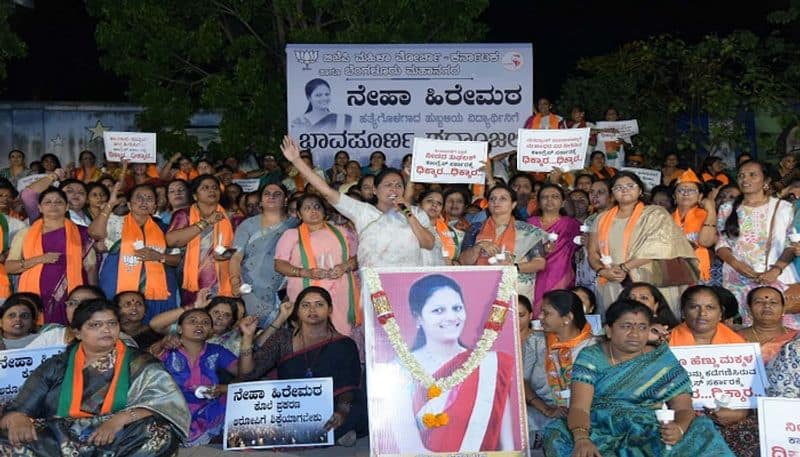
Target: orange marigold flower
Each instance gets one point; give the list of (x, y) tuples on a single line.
[(434, 391), (429, 420), (442, 419)]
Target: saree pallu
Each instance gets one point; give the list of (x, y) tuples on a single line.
[(559, 272), (207, 268), (150, 387), (623, 419)]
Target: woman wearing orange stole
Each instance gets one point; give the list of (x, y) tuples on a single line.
[(207, 234), (52, 257), (697, 217)]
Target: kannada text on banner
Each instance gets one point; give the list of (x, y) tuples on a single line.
[(280, 413), (650, 178), (136, 147), (779, 426), (363, 98), (543, 150), (448, 162), (16, 365)]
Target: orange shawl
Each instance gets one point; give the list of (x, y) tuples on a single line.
[(5, 283), (489, 232), (129, 270), (93, 175), (721, 177), (186, 176), (693, 223), (604, 229), (609, 172), (682, 336), (32, 247), (191, 259), (448, 237), (537, 121), (559, 376)]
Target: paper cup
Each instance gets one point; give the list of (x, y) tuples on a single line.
[(794, 237), (245, 289), (552, 236), (203, 392), (577, 240), (220, 249), (584, 228), (607, 260)]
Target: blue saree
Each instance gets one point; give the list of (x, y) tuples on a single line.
[(623, 419)]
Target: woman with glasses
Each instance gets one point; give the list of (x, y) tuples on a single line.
[(697, 217), (637, 243)]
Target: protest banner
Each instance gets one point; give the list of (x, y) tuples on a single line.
[(26, 181), (464, 410), (247, 185), (448, 162), (381, 96), (543, 150), (617, 129), (779, 426), (279, 413), (725, 373), (15, 367), (650, 178), (136, 147)]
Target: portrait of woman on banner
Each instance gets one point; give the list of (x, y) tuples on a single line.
[(318, 116)]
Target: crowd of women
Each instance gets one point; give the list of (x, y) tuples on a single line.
[(220, 285)]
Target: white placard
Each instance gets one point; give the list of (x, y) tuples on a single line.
[(650, 178), (26, 181), (735, 370), (17, 364), (448, 162), (280, 413), (779, 426), (247, 185), (623, 129), (136, 147), (543, 150), (596, 322)]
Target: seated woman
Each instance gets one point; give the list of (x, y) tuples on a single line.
[(313, 348), (783, 372), (132, 309), (194, 365), (225, 314), (18, 314), (663, 318), (535, 379), (610, 411), (99, 397)]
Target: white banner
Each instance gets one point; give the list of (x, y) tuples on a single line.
[(543, 150), (16, 365), (137, 147), (448, 161), (732, 374), (281, 413), (779, 426), (617, 129), (26, 181), (363, 98), (247, 185), (650, 178)]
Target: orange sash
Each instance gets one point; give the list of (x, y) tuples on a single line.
[(77, 382), (5, 283), (32, 247), (93, 175), (721, 177), (537, 121), (478, 191), (604, 227), (682, 336), (559, 377), (129, 268), (447, 235), (187, 176), (693, 223), (604, 173), (191, 259), (489, 232)]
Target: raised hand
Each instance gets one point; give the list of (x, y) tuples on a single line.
[(290, 149)]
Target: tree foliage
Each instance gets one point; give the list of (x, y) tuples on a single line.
[(665, 82), (182, 56), (10, 45)]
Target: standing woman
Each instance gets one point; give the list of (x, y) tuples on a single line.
[(377, 163), (697, 217), (202, 228), (600, 199), (337, 173), (87, 168), (712, 170), (597, 166), (752, 240), (456, 199), (255, 242), (559, 272), (138, 259), (669, 169), (52, 256), (16, 167), (450, 237), (390, 233)]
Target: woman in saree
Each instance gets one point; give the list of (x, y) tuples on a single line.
[(225, 314), (321, 254), (639, 243), (138, 258), (610, 411), (598, 168), (669, 169), (538, 398), (253, 263), (312, 348), (16, 167), (207, 236), (753, 240), (456, 199), (508, 241), (87, 170), (99, 397), (390, 232), (132, 310), (559, 272), (52, 256), (697, 217), (18, 320), (600, 199), (432, 202), (713, 167)]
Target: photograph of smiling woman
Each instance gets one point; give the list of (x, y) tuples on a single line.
[(318, 116)]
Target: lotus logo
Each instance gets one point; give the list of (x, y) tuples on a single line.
[(306, 57)]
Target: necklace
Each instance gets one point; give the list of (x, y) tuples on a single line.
[(611, 355), (309, 372), (758, 337)]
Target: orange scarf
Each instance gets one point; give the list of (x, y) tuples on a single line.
[(693, 223), (604, 229), (111, 399), (93, 175), (721, 177), (536, 122), (129, 269), (603, 173), (29, 279), (187, 176), (559, 376), (448, 237), (489, 232), (5, 283), (477, 191), (191, 259), (682, 336)]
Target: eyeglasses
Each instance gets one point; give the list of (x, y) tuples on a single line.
[(686, 191), (624, 187)]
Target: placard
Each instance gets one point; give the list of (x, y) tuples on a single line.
[(448, 162), (15, 367), (136, 147), (247, 185), (26, 181), (543, 150), (650, 178), (779, 426), (280, 413), (624, 129), (596, 322), (732, 370)]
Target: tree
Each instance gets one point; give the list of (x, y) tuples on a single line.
[(182, 56), (10, 45)]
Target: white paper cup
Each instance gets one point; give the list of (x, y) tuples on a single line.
[(203, 392), (584, 228), (552, 236), (220, 249), (607, 260), (245, 289), (577, 240), (794, 237)]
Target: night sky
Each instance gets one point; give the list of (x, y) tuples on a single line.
[(63, 61)]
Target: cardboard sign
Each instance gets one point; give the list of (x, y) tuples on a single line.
[(449, 162), (650, 178), (23, 183), (280, 413), (543, 150), (16, 365), (779, 426), (136, 147), (735, 371), (247, 185)]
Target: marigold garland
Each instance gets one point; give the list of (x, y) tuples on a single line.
[(431, 420)]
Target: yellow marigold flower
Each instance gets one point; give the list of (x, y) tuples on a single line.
[(434, 391), (429, 420), (442, 419)]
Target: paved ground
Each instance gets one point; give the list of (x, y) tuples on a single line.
[(361, 449)]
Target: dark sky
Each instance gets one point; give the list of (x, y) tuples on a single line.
[(62, 61)]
